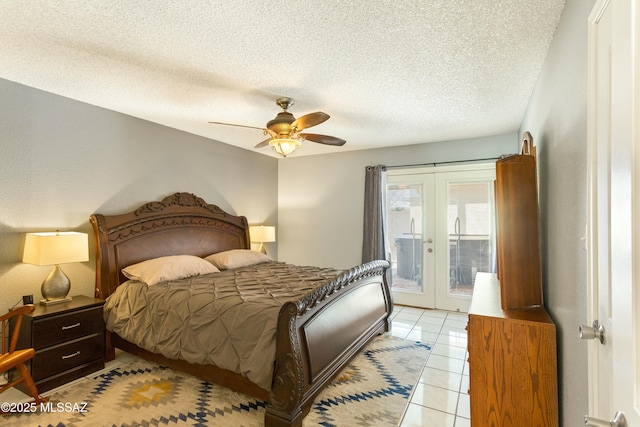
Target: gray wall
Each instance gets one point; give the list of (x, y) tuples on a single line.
[(62, 160), (321, 198), (557, 119)]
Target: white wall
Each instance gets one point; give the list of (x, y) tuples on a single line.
[(556, 117), (62, 160), (321, 198)]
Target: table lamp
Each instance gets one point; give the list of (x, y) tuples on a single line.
[(262, 234), (54, 248)]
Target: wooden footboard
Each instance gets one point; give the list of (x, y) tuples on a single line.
[(320, 334)]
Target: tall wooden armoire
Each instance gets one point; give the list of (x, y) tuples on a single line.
[(511, 337)]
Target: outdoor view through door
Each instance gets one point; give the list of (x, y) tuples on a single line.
[(404, 219), (469, 225), (440, 229)]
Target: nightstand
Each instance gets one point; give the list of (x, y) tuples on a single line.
[(69, 340)]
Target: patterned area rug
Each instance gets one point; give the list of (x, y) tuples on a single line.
[(372, 391)]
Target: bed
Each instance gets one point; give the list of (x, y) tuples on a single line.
[(316, 331)]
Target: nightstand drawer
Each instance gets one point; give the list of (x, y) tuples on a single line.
[(66, 356), (65, 327)]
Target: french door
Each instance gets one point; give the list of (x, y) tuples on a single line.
[(441, 233)]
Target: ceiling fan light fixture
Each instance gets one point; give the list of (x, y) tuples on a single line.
[(284, 146), (284, 131)]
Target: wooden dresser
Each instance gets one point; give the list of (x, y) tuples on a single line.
[(511, 337), (512, 361)]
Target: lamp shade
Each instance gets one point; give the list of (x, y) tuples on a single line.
[(52, 248), (262, 233), (284, 146)]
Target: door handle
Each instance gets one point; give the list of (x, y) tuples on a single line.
[(618, 421), (592, 332)]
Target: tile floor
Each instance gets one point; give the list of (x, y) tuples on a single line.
[(440, 399)]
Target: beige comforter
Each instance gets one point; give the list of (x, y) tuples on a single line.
[(227, 319)]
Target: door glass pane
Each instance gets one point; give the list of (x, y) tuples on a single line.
[(469, 223), (404, 220)]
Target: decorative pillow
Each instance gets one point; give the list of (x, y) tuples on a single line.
[(165, 268), (237, 258)]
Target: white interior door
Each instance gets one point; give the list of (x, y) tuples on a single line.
[(614, 214), (440, 229)]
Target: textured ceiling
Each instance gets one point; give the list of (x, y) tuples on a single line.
[(387, 72)]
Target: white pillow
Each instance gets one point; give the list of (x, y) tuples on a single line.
[(237, 258), (165, 268)]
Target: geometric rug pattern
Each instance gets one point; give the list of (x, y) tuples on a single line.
[(373, 390)]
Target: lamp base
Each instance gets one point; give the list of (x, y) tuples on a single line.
[(55, 287), (54, 301)]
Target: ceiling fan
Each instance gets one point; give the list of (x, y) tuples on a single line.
[(285, 131)]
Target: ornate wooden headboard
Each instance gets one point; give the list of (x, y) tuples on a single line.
[(180, 224)]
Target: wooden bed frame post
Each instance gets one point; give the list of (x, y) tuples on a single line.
[(287, 388)]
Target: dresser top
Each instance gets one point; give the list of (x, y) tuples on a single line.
[(486, 302)]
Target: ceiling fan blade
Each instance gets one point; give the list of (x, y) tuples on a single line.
[(263, 143), (323, 139), (233, 124), (309, 120)]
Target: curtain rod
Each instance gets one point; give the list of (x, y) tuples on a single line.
[(441, 163)]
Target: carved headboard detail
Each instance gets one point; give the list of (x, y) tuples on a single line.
[(180, 224)]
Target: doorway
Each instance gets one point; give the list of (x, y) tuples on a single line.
[(441, 233)]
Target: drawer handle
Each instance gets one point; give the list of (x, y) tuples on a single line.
[(69, 356), (75, 325)]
